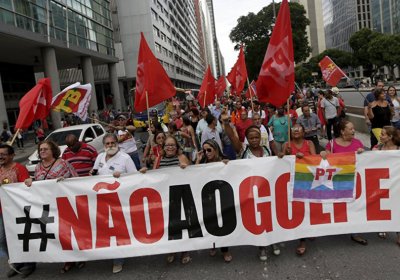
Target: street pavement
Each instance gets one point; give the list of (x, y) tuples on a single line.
[(331, 257)]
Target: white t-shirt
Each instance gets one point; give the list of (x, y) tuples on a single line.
[(330, 107), (120, 162), (129, 145)]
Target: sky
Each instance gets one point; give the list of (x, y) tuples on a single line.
[(226, 14)]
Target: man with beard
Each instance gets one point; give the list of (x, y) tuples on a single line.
[(114, 162), (11, 172), (80, 155)]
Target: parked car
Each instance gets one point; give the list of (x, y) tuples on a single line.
[(89, 133)]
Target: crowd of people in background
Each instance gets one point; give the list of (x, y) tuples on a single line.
[(234, 127)]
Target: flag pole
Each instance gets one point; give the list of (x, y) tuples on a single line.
[(147, 106), (251, 96), (204, 102), (14, 137), (289, 120)]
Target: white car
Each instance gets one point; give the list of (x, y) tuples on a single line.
[(88, 133)]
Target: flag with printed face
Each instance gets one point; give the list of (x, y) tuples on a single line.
[(276, 79), (35, 104), (331, 73), (325, 180), (73, 99)]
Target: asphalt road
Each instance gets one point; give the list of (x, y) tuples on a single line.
[(333, 257)]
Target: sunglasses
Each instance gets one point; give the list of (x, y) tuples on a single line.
[(208, 150)]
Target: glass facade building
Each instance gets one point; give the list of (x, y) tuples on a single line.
[(82, 23), (342, 18), (386, 16)]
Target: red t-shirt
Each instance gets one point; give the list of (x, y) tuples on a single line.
[(16, 174)]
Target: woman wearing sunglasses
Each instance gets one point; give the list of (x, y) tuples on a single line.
[(300, 148), (211, 152)]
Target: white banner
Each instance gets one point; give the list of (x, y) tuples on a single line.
[(246, 202)]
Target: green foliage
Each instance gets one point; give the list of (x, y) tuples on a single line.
[(384, 50), (373, 50), (253, 32)]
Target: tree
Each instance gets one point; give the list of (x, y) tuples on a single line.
[(253, 32), (384, 50), (359, 42)]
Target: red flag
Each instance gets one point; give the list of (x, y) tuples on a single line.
[(276, 79), (253, 89), (220, 86), (151, 78), (238, 75), (35, 105), (207, 90), (331, 73)]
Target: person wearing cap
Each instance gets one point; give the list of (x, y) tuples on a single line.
[(126, 140), (342, 106)]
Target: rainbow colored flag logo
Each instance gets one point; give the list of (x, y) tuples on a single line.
[(325, 180)]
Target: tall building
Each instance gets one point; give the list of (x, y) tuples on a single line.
[(386, 16), (342, 18), (48, 36), (315, 31), (180, 34)]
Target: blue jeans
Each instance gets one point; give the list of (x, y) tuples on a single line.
[(3, 243), (135, 157)]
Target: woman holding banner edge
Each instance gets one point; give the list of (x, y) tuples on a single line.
[(172, 155), (345, 142), (300, 148)]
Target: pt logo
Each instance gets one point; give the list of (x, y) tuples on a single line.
[(323, 174), (29, 235)]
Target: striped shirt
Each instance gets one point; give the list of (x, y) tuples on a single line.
[(83, 160), (169, 162)]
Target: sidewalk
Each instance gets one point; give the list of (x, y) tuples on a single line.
[(21, 155)]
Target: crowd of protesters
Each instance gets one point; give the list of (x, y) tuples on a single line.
[(231, 128)]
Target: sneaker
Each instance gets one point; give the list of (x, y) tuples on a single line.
[(27, 270), (117, 268), (276, 250), (14, 270), (262, 254)]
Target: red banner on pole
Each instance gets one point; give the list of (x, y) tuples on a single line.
[(151, 78), (35, 105), (276, 79), (238, 75), (207, 90)]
